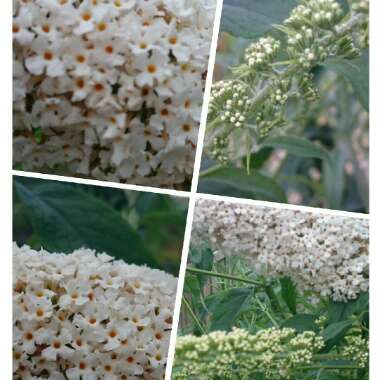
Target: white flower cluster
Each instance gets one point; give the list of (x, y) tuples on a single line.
[(232, 97), (357, 348), (110, 89), (83, 316), (261, 53), (274, 352), (324, 253), (321, 13)]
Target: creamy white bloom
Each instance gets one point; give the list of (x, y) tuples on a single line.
[(87, 316), (107, 84), (324, 253)]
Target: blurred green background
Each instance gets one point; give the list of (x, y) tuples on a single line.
[(137, 227)]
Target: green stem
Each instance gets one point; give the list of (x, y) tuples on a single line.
[(273, 299), (193, 316), (267, 313), (223, 275), (212, 124)]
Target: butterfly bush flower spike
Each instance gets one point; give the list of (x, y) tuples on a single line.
[(85, 315), (110, 89)]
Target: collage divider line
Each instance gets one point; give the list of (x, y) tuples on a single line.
[(193, 191), (94, 182)]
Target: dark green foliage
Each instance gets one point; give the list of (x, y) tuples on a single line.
[(137, 228)]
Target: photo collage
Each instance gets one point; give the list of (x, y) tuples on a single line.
[(191, 190)]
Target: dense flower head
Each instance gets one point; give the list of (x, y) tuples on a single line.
[(274, 352), (110, 89), (259, 54), (324, 253), (322, 13), (87, 316)]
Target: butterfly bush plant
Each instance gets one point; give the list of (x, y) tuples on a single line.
[(274, 294), (288, 111), (110, 89), (251, 106)]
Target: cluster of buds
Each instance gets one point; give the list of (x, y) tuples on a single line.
[(346, 48), (357, 349), (321, 13), (232, 97), (236, 105), (304, 48), (273, 352), (279, 95), (307, 89), (262, 53), (219, 147)]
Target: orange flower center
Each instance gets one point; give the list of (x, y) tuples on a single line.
[(86, 16), (80, 83), (186, 127), (109, 49), (29, 336), (46, 28), (57, 344), (39, 312), (173, 40), (98, 87), (102, 26), (17, 355), (80, 58), (152, 68), (82, 365), (15, 28), (48, 55)]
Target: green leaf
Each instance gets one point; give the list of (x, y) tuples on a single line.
[(298, 146), (226, 306), (334, 181), (302, 322), (339, 311), (202, 258), (66, 218), (259, 158), (253, 18), (260, 186), (191, 285), (334, 333), (356, 71), (289, 294)]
